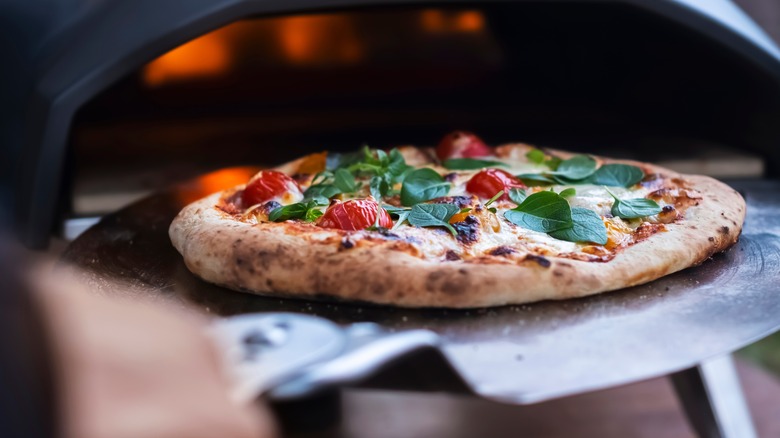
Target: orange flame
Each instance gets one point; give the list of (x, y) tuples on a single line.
[(440, 21), (470, 21), (207, 56), (319, 39)]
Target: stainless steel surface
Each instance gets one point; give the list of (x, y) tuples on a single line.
[(288, 356), (266, 350), (72, 228), (515, 354), (712, 398)]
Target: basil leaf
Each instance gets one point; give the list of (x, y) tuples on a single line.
[(635, 208), (433, 215), (422, 185), (344, 180), (471, 163), (397, 167), (292, 211), (321, 190), (334, 161), (568, 193), (617, 175), (494, 198), (318, 201), (543, 212), (300, 210), (576, 168), (402, 216), (536, 179), (553, 162), (321, 177), (392, 209), (587, 226), (312, 215), (381, 157), (517, 195), (535, 156), (378, 187)]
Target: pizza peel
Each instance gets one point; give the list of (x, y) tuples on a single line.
[(514, 354)]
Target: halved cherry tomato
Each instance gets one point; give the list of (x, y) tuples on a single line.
[(460, 144), (355, 214), (268, 185), (488, 182)]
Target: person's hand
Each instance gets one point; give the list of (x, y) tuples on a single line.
[(126, 369)]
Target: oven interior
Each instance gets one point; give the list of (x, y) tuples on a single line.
[(604, 77)]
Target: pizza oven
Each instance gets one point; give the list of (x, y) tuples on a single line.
[(123, 97), (109, 101)]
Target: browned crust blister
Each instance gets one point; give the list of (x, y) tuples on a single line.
[(309, 262)]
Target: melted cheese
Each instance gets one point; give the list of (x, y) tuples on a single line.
[(436, 243)]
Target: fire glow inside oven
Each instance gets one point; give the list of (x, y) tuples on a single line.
[(119, 109)]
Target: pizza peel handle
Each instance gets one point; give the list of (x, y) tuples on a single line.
[(286, 356)]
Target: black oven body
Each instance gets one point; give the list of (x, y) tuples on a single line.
[(647, 66)]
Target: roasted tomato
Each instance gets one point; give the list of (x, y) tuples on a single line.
[(355, 214), (271, 185), (461, 144), (488, 182)]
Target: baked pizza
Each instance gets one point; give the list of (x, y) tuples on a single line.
[(460, 225)]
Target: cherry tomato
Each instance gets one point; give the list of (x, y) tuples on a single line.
[(488, 182), (355, 214), (461, 144), (268, 185)]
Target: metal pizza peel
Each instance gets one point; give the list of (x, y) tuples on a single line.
[(512, 354)]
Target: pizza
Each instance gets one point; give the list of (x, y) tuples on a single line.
[(461, 225)]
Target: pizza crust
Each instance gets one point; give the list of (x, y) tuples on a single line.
[(305, 261)]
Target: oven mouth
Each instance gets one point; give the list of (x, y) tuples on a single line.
[(610, 78)]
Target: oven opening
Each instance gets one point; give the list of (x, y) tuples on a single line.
[(268, 89)]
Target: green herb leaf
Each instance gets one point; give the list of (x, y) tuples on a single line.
[(553, 162), (292, 211), (301, 210), (400, 212), (422, 185), (378, 187), (392, 209), (635, 208), (517, 195), (471, 164), (397, 167), (345, 181), (587, 226), (385, 170), (617, 175), (576, 168), (312, 215), (571, 171), (493, 199), (568, 193), (335, 160), (381, 156), (433, 215), (543, 211), (536, 179), (402, 216), (321, 177), (321, 190), (535, 156)]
